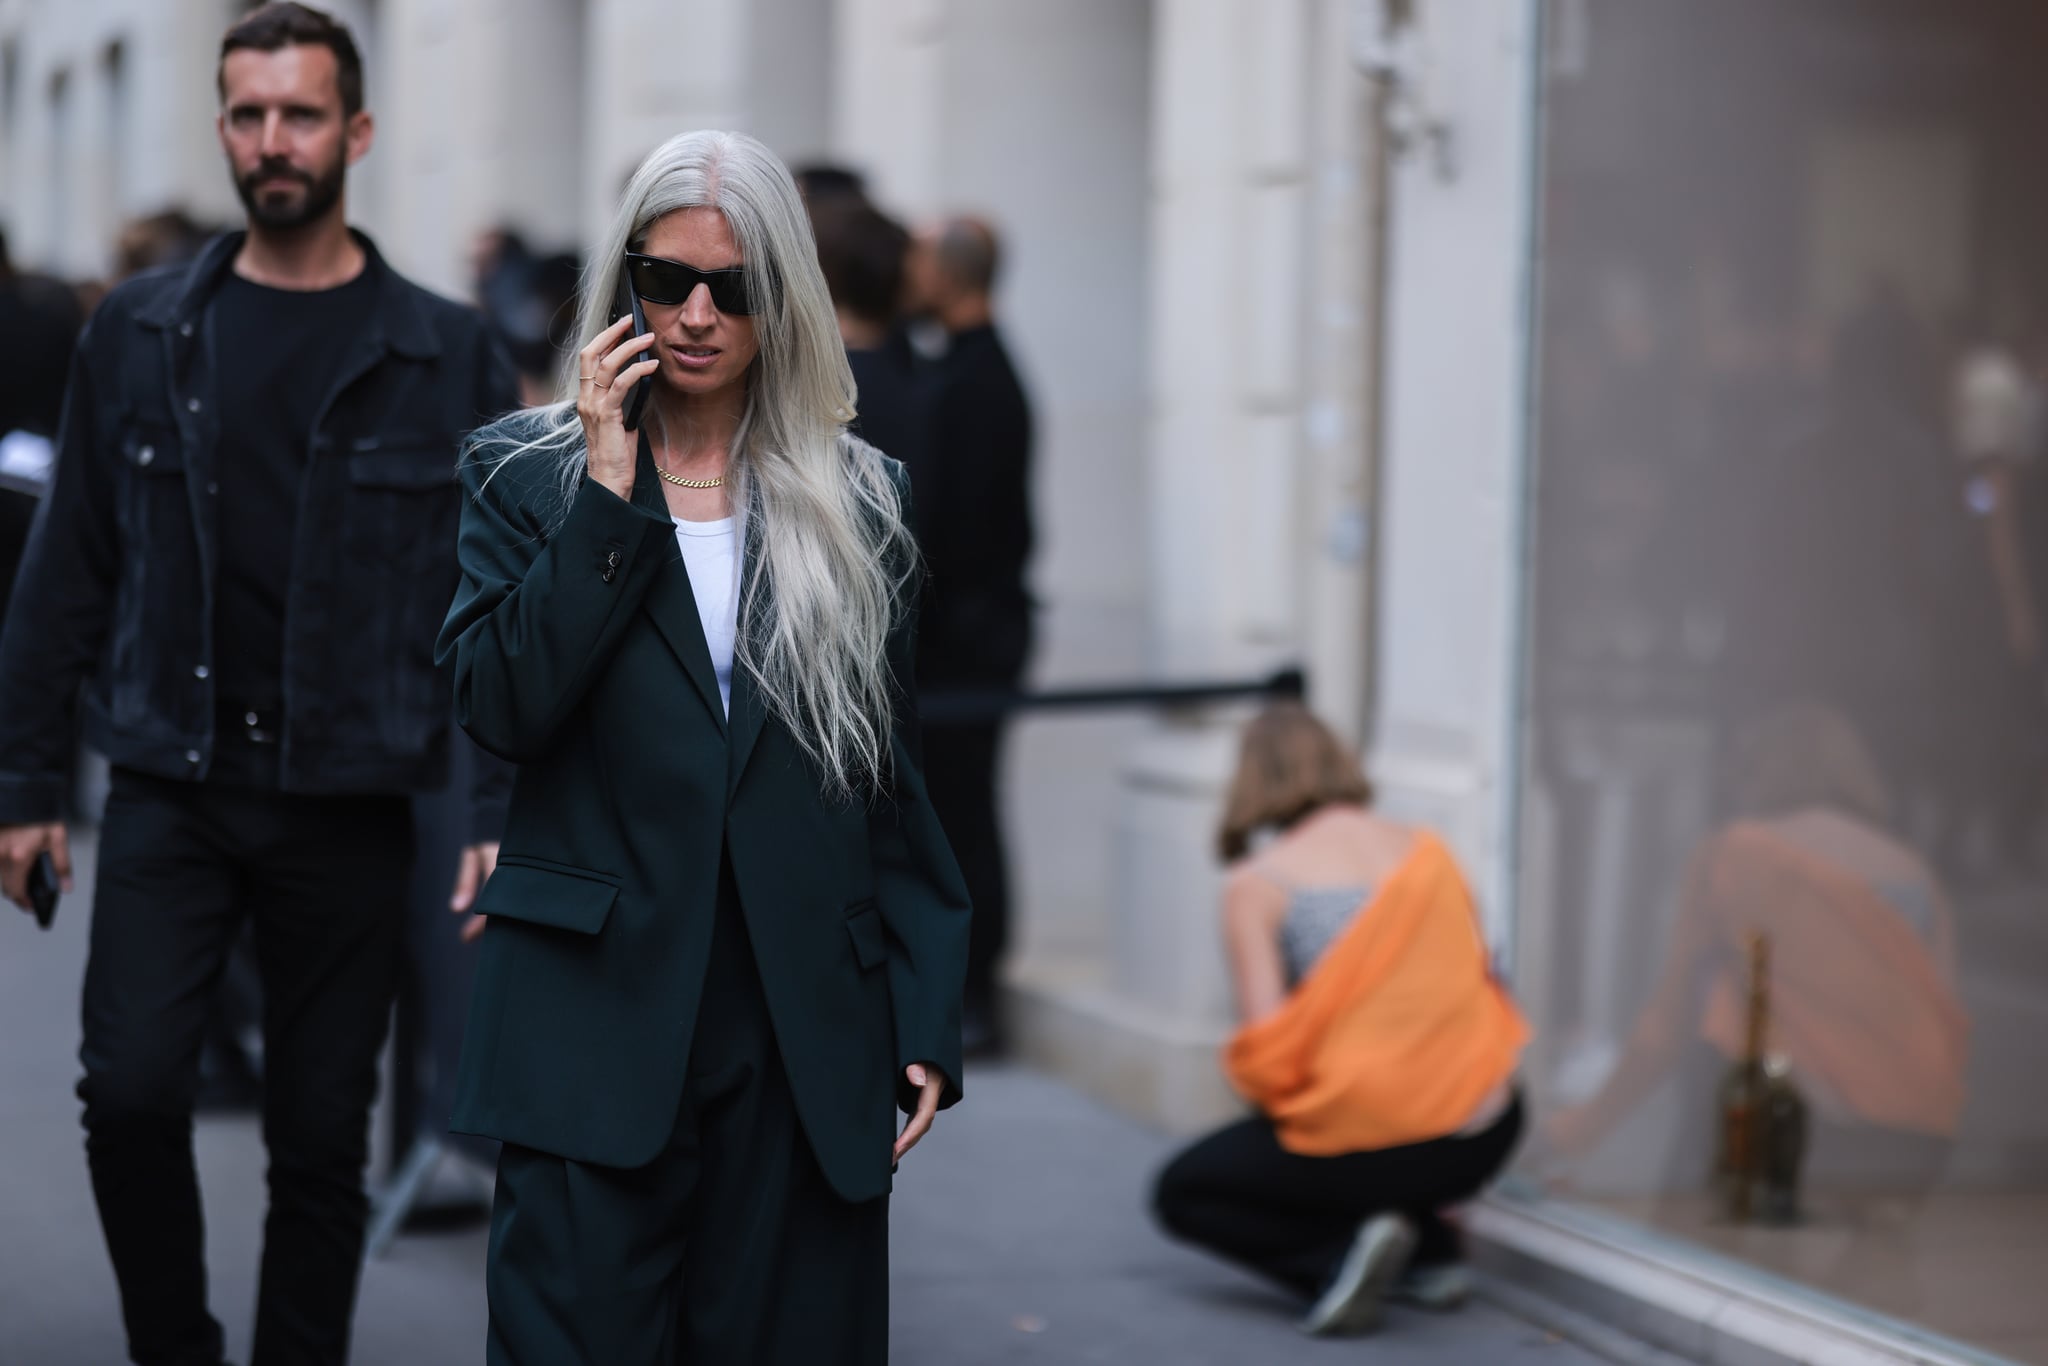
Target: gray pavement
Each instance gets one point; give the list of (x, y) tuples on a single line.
[(1019, 1233)]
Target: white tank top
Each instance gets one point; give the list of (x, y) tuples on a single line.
[(711, 551)]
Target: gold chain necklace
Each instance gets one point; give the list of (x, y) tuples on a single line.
[(681, 482), (678, 480)]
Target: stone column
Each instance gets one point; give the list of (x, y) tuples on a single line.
[(887, 110), (1256, 249), (656, 68), (1446, 736)]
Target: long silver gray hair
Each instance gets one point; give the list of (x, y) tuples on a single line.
[(835, 552)]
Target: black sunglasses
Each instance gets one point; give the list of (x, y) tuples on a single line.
[(660, 281)]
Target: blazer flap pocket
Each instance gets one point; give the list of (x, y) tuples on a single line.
[(418, 468), (870, 946), (548, 896)]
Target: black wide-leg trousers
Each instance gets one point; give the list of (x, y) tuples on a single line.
[(728, 1250), (321, 880)]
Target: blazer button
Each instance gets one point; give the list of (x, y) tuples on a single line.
[(611, 561), (610, 574)]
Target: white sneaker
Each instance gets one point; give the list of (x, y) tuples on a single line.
[(1351, 1303)]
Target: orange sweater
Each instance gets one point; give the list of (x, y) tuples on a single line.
[(1399, 1031)]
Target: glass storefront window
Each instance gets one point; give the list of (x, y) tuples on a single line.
[(1788, 659)]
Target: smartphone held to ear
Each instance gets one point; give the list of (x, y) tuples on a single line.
[(628, 303)]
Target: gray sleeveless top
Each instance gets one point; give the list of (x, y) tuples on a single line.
[(1315, 917)]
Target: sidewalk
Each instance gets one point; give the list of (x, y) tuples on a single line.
[(1019, 1232), (1022, 1236)]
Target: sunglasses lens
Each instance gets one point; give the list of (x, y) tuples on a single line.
[(671, 282), (659, 282), (729, 292)]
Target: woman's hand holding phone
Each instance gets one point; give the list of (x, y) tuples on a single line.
[(606, 373)]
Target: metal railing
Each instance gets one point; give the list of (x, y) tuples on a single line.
[(979, 706)]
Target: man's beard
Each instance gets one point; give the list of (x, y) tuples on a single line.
[(322, 193)]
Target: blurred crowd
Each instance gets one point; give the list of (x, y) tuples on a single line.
[(937, 390), (1779, 507)]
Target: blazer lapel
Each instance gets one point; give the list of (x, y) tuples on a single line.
[(670, 601), (749, 711)]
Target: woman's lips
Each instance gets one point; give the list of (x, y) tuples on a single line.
[(695, 357)]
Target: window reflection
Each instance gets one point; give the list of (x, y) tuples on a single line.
[(1787, 670)]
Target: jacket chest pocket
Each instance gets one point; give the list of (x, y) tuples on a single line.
[(153, 505), (403, 506)]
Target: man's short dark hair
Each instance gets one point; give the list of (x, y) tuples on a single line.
[(861, 251), (969, 252), (821, 181), (274, 27)]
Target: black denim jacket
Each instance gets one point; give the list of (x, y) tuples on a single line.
[(116, 589)]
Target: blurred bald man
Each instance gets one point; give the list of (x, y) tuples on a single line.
[(973, 513)]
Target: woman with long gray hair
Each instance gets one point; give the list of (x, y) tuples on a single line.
[(725, 931)]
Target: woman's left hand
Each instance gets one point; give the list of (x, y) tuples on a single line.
[(479, 861), (930, 1082)]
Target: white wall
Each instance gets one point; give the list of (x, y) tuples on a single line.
[(1045, 131), (789, 60), (63, 217), (1037, 116)]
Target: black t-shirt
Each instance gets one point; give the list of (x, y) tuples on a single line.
[(976, 515), (278, 356)]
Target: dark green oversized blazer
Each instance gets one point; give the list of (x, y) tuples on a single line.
[(578, 655)]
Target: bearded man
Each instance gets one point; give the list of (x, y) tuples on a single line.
[(245, 553)]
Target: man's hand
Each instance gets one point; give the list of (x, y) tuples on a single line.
[(479, 861), (19, 845), (930, 1083)]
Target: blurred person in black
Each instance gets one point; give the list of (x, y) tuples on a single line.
[(529, 300), (38, 323), (243, 559), (862, 252), (973, 509), (39, 320), (1996, 410)]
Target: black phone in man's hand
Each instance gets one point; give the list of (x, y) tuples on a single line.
[(43, 889), (628, 302)]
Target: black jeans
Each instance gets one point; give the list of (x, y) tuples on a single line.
[(960, 774), (1239, 1193), (322, 881)]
